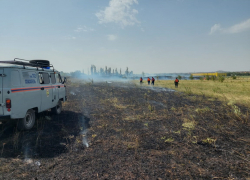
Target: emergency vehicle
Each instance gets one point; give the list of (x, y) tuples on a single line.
[(28, 87)]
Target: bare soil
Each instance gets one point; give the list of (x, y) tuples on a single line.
[(125, 131)]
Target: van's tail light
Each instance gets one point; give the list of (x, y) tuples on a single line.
[(8, 103)]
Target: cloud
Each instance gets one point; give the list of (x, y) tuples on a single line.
[(120, 12), (215, 28), (237, 28), (243, 26), (84, 29), (111, 37), (70, 37)]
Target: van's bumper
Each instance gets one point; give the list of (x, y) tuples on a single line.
[(4, 118)]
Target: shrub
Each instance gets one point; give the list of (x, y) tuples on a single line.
[(233, 76), (191, 77), (221, 78), (207, 77), (213, 78), (179, 77)]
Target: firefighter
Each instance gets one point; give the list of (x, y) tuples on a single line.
[(141, 80), (153, 81), (176, 82), (148, 81)]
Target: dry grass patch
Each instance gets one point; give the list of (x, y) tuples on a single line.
[(129, 118), (115, 102), (188, 124), (237, 90)]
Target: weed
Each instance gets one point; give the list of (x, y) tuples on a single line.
[(194, 140), (209, 141), (236, 110), (169, 140), (191, 77), (202, 110), (151, 108), (173, 108), (163, 138), (188, 91), (177, 132), (94, 135), (130, 146)]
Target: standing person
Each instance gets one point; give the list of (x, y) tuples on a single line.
[(176, 82), (153, 81), (148, 81), (141, 80)]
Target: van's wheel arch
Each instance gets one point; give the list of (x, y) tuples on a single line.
[(28, 121), (58, 108)]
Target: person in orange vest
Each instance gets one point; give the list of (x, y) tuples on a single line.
[(148, 81), (153, 81), (141, 80), (176, 82)]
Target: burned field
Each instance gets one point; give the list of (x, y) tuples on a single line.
[(124, 131)]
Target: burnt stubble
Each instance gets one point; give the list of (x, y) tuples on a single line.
[(125, 131)]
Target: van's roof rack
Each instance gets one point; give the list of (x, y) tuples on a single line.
[(38, 63)]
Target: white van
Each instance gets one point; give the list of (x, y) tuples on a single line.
[(27, 88)]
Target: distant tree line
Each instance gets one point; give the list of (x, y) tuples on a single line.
[(238, 73)]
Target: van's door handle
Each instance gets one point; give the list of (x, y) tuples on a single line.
[(42, 88), (58, 86)]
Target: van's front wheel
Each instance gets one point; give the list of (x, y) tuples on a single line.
[(58, 108), (28, 121)]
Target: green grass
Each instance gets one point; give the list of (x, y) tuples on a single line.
[(231, 90)]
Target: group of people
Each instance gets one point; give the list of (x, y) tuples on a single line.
[(152, 80), (176, 82)]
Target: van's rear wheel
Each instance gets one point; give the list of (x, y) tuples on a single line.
[(28, 121), (58, 108)]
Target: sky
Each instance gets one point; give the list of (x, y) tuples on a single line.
[(151, 36)]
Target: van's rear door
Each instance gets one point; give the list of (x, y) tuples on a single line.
[(1, 90)]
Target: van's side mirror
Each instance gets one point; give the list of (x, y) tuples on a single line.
[(65, 80)]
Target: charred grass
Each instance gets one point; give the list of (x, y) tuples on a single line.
[(123, 131)]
